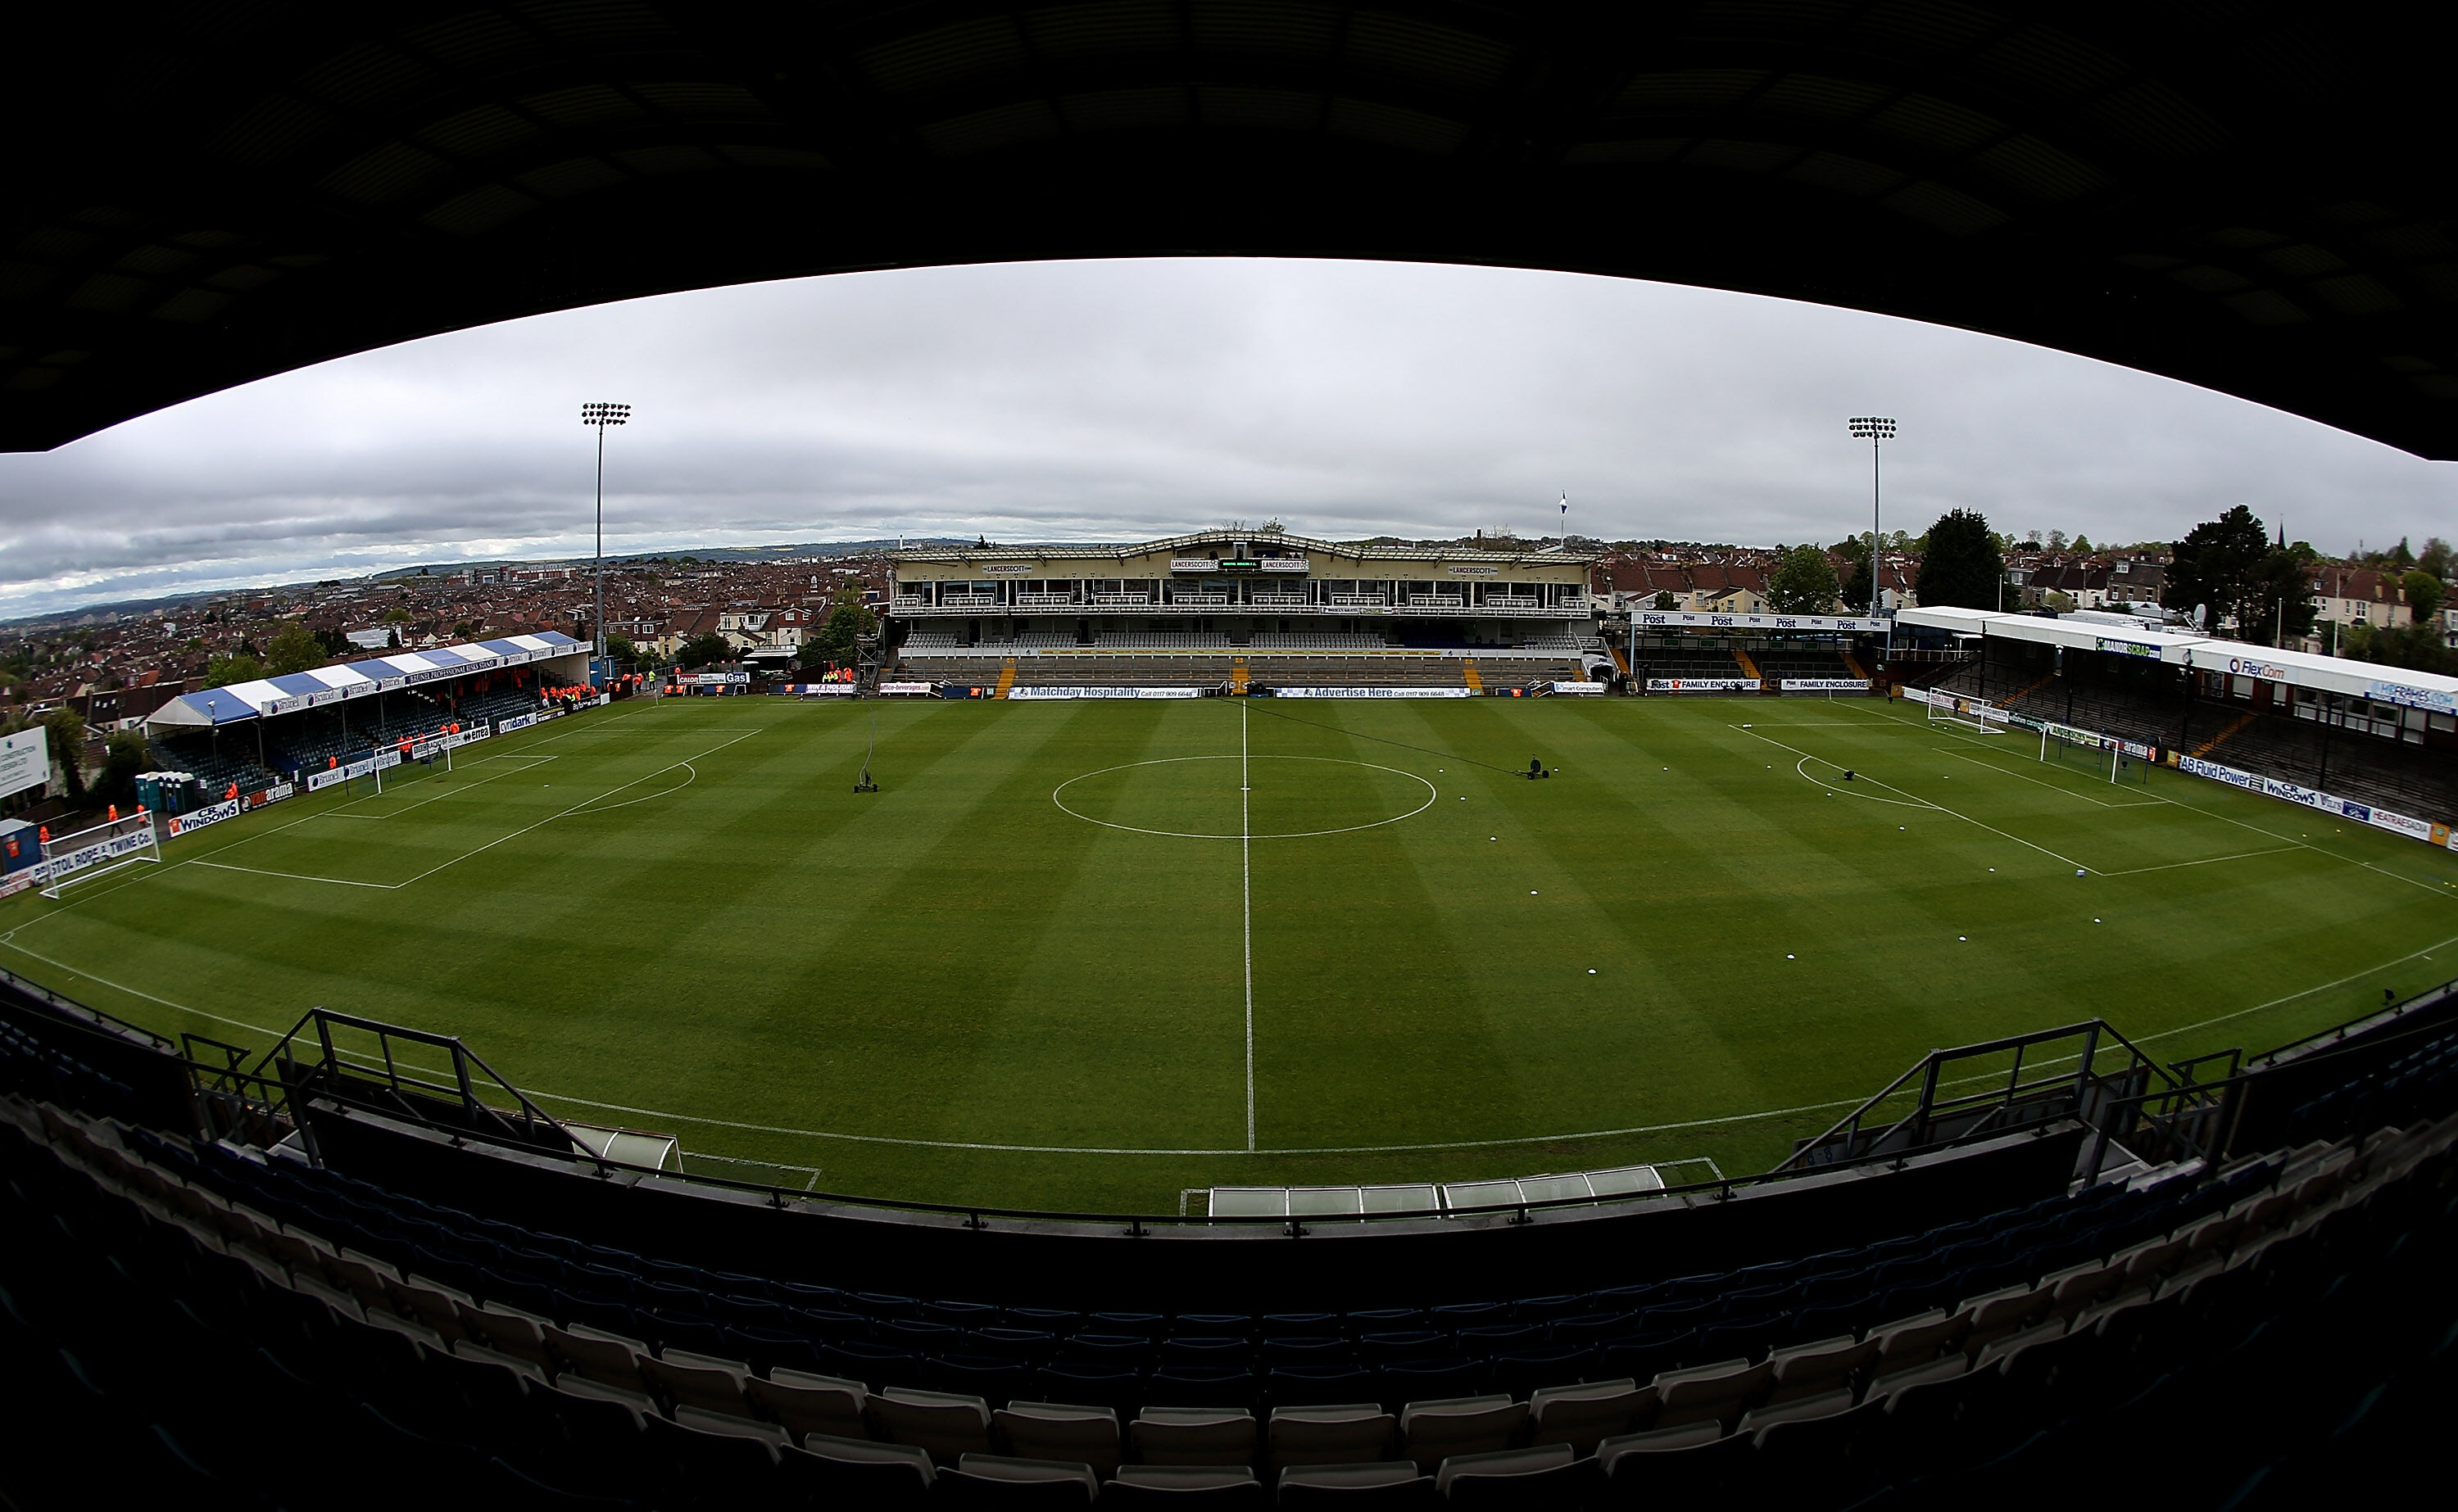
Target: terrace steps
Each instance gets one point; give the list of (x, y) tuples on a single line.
[(2219, 739)]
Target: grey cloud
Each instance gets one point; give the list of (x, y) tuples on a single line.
[(1118, 398)]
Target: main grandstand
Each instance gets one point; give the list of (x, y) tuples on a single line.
[(1234, 608)]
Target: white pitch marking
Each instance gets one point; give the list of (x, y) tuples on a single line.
[(1198, 835), (1246, 901)]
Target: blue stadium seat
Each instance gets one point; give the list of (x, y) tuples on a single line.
[(1429, 1379), (1521, 1373), (770, 1349), (1202, 1386), (996, 1381), (1216, 1349), (1489, 1339), (1318, 1385), (1130, 1350), (1115, 1386)]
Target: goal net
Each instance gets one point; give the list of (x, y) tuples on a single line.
[(2088, 751), (1971, 716), (99, 852)]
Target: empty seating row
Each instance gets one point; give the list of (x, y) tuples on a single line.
[(622, 1421)]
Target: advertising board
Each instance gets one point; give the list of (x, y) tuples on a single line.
[(1032, 694), (381, 761), (25, 760), (1684, 619), (1374, 693), (179, 825)]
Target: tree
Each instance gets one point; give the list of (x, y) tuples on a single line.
[(2215, 566), (1803, 583), (2056, 540), (2435, 558), (1665, 600), (2081, 542), (2414, 647), (2282, 597), (124, 755), (1963, 566), (848, 619), (1855, 550), (703, 648), (2423, 593), (619, 647), (232, 667), (294, 650), (64, 734), (396, 615)]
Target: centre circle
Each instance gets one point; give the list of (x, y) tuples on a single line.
[(1277, 796)]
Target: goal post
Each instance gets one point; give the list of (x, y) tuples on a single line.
[(1970, 716), (99, 852), (2103, 756)]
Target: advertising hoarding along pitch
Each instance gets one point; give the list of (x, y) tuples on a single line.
[(2310, 798), (1037, 694), (1373, 692)]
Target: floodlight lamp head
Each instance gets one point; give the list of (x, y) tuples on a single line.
[(1871, 428), (602, 415)]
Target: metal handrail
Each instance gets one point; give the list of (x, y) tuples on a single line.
[(1930, 1109), (1721, 1187), (76, 1009), (332, 1065)]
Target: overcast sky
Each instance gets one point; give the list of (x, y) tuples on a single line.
[(1099, 400)]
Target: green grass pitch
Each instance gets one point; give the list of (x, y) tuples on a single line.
[(1086, 955)]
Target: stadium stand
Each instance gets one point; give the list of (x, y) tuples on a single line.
[(1794, 661), (1162, 640), (1317, 641), (2353, 761), (1659, 661), (306, 741), (215, 766), (169, 1297)]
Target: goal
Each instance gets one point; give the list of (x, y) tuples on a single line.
[(99, 852), (2090, 751), (1971, 716)]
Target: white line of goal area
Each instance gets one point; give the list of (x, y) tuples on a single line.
[(454, 790), (2293, 842), (1913, 801), (588, 805)]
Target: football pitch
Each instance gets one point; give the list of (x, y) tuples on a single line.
[(1085, 955)]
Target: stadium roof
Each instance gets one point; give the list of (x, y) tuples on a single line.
[(2253, 198), (266, 697), (2297, 669), (1274, 540)]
